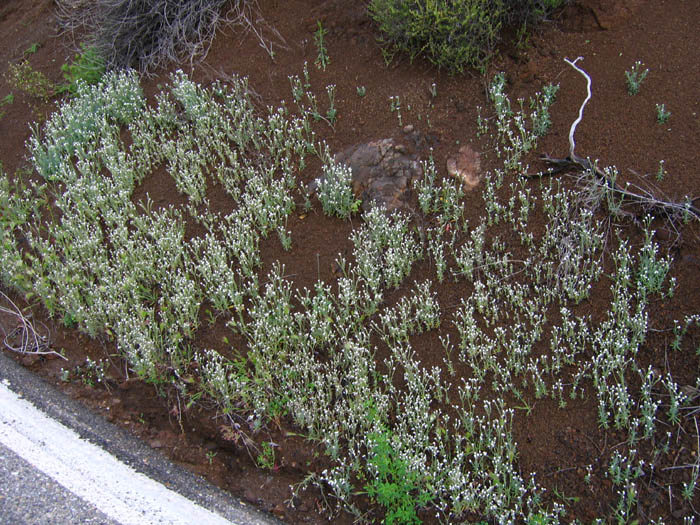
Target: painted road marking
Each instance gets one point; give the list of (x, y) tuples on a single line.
[(91, 473)]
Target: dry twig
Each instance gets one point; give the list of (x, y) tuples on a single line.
[(148, 35), (24, 337), (602, 182)]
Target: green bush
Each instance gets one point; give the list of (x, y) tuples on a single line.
[(452, 34), (392, 484), (87, 66)]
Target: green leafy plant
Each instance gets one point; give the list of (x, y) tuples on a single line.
[(322, 60), (540, 104), (361, 91), (335, 191), (689, 487), (332, 112), (91, 373), (433, 90), (6, 101), (87, 66), (652, 269), (661, 172), (69, 320), (452, 34), (395, 107), (662, 114), (392, 484), (33, 48), (635, 77), (266, 458)]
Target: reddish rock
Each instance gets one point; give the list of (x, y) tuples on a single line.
[(465, 166)]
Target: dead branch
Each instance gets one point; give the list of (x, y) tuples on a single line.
[(650, 203), (24, 338), (153, 34)]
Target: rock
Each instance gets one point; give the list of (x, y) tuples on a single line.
[(156, 443), (465, 165), (383, 172), (408, 128)]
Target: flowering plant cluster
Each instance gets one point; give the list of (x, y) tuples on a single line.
[(394, 427)]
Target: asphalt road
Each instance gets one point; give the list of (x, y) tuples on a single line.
[(29, 496), (60, 463)]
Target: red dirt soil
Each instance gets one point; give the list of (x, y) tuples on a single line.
[(618, 129)]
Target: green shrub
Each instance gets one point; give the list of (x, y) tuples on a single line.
[(452, 34), (87, 66), (5, 101), (392, 484)]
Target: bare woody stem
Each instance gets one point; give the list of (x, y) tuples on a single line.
[(572, 130), (648, 202)]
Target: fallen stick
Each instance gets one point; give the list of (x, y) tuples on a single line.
[(31, 342), (649, 202)]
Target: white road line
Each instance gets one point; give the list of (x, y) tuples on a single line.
[(91, 473)]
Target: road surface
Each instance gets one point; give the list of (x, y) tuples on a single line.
[(60, 463)]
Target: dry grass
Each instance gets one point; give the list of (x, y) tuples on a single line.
[(149, 35)]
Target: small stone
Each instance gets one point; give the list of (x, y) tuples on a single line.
[(408, 128), (156, 443), (465, 165)]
